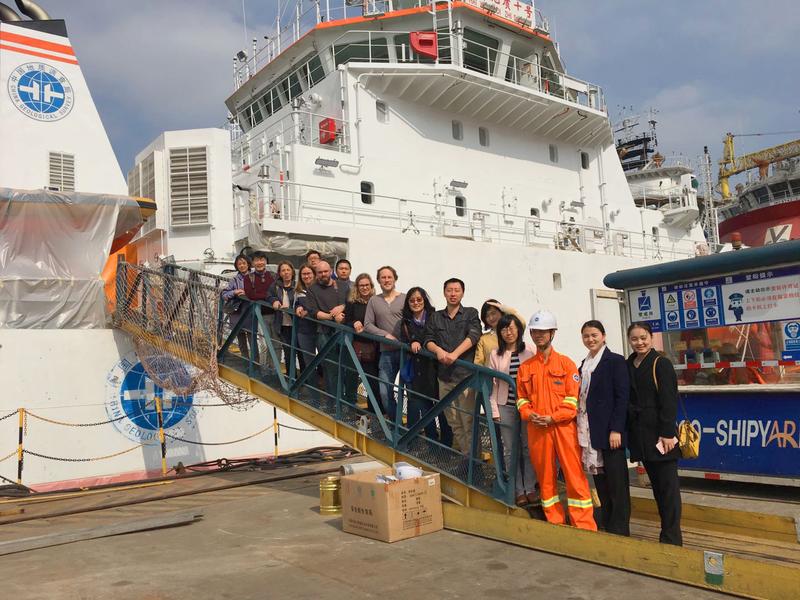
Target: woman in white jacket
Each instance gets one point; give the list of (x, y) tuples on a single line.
[(506, 358)]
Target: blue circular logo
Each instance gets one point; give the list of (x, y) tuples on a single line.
[(709, 293), (691, 315), (131, 403), (711, 312), (137, 395), (40, 92), (672, 316)]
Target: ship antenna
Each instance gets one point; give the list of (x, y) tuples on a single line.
[(29, 8), (7, 14)]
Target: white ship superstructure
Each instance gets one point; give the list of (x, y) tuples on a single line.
[(657, 183), (445, 138), (76, 406)]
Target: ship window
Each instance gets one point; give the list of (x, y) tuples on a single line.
[(655, 234), (367, 192), (273, 101), (314, 71), (761, 194), (382, 111), (458, 130), (553, 153), (795, 183), (780, 189), (556, 281), (535, 212), (480, 51), (584, 160), (483, 136), (404, 53), (62, 172), (461, 206), (188, 186), (291, 86), (257, 115), (244, 119), (362, 51)]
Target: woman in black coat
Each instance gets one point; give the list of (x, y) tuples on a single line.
[(652, 433), (602, 416), (424, 387)]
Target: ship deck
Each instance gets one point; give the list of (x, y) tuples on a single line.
[(261, 536)]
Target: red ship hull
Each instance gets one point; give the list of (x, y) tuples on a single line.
[(768, 225)]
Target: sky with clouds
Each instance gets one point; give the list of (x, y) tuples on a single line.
[(707, 66)]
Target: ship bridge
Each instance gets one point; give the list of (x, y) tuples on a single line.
[(478, 59)]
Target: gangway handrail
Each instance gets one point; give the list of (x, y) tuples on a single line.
[(151, 317)]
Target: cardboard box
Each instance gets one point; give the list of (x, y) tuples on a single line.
[(391, 511)]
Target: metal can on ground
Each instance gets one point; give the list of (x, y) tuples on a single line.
[(330, 495)]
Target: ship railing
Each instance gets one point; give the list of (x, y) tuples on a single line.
[(747, 200), (323, 365), (671, 197), (475, 56), (293, 27), (383, 47), (300, 127), (376, 47), (320, 204)]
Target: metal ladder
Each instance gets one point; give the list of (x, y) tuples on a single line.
[(442, 13)]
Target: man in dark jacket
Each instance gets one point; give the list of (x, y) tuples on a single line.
[(452, 333)]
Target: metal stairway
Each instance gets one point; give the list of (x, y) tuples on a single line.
[(176, 312)]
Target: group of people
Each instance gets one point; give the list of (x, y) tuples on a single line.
[(575, 419)]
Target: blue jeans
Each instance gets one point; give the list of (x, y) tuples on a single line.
[(416, 408), (306, 348), (330, 367), (388, 367)]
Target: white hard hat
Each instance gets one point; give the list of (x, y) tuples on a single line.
[(543, 320)]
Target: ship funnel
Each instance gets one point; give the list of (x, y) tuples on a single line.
[(7, 14), (29, 8)]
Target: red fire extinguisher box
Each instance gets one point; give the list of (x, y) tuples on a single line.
[(327, 131)]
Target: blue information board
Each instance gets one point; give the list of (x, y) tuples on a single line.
[(756, 297), (754, 433)]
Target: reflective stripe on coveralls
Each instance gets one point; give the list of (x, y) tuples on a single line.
[(550, 388)]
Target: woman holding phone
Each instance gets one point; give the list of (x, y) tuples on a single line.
[(652, 433)]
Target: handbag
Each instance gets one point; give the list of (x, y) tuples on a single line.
[(688, 436), (407, 372), (365, 350)]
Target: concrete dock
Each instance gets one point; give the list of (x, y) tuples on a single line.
[(268, 540)]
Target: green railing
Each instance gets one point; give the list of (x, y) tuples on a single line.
[(178, 307)]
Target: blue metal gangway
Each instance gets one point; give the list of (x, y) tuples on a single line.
[(178, 311)]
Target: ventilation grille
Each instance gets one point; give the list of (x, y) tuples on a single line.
[(188, 186), (62, 172)]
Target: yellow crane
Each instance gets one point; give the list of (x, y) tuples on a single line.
[(730, 165)]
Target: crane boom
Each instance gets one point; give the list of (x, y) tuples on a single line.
[(730, 165)]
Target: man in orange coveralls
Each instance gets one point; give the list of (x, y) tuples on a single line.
[(547, 392)]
